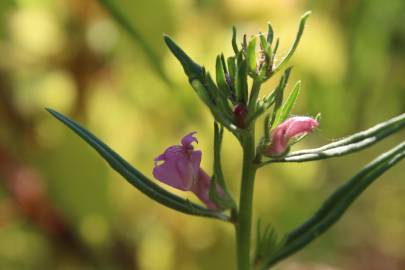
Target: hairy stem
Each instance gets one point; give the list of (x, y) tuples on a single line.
[(244, 224)]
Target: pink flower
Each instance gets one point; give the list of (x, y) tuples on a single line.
[(181, 170), (290, 128)]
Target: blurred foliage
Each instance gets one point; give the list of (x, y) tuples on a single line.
[(61, 207)]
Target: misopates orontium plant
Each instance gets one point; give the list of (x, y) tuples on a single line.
[(238, 109)]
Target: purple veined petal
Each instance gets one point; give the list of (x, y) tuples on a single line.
[(195, 160), (168, 173), (178, 166), (189, 139), (188, 166)]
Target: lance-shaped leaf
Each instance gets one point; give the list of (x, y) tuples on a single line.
[(221, 77), (231, 62), (270, 33), (192, 69), (265, 46), (251, 56), (337, 204), (218, 191), (136, 36), (219, 98), (240, 57), (275, 49), (202, 93), (228, 78), (234, 42), (211, 103), (264, 64), (136, 178), (347, 145), (279, 94), (286, 108), (295, 43), (241, 85), (202, 85)]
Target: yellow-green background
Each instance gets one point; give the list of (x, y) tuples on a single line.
[(71, 56)]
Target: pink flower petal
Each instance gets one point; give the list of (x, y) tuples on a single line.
[(300, 125), (287, 130), (179, 167), (168, 174), (180, 164), (202, 189), (187, 167)]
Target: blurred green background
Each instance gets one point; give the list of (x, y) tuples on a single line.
[(62, 207)]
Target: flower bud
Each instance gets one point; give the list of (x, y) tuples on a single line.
[(283, 133), (240, 112)]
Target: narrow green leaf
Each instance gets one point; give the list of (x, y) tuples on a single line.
[(240, 57), (295, 43), (265, 47), (202, 93), (251, 55), (275, 48), (202, 84), (214, 100), (279, 94), (218, 137), (220, 99), (234, 42), (192, 69), (223, 63), (263, 41), (220, 77), (216, 111), (134, 177), (212, 88), (155, 60), (286, 108), (336, 205), (225, 200), (244, 43), (231, 61), (228, 78), (254, 96), (241, 85), (270, 33), (269, 100)]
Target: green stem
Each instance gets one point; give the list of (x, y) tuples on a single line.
[(244, 224)]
